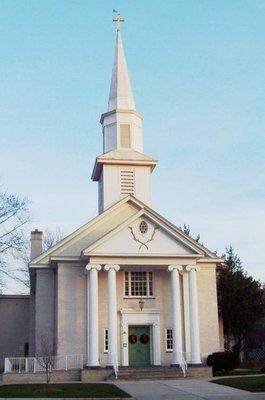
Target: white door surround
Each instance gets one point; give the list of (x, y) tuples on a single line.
[(146, 317)]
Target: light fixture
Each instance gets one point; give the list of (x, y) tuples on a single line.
[(141, 304)]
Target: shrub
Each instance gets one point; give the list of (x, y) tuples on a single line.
[(262, 369), (223, 361)]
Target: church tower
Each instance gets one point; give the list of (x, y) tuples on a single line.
[(122, 169)]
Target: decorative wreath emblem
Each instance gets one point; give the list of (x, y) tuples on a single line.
[(144, 338), (133, 338), (143, 228)]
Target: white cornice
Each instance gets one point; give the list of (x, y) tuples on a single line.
[(100, 162), (119, 111)]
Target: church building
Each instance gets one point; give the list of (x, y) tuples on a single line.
[(128, 288)]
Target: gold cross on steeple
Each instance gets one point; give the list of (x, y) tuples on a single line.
[(118, 19)]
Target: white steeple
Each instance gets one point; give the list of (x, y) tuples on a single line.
[(122, 169), (120, 96)]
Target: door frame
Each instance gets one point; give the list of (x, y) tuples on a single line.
[(148, 317)]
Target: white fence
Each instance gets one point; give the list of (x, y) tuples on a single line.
[(38, 364)]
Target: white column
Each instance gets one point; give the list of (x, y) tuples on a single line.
[(93, 356), (194, 316), (156, 344), (176, 314), (112, 314), (87, 315)]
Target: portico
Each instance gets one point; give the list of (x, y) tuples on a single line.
[(119, 320)]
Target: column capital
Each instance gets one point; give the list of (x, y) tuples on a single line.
[(172, 267), (192, 267), (89, 267), (111, 266)]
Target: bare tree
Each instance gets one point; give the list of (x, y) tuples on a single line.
[(14, 215), (50, 238), (45, 359)]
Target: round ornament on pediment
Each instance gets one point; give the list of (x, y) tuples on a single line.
[(143, 227)]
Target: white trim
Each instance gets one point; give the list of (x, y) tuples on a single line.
[(145, 317), (83, 230), (130, 296), (173, 256), (168, 350), (143, 212), (105, 340)]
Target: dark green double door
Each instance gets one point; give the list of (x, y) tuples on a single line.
[(139, 345)]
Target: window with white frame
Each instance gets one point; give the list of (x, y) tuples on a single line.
[(106, 340), (169, 339), (138, 284)]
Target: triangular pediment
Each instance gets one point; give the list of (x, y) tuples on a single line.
[(142, 234), (117, 231)]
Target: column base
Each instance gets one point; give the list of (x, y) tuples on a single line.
[(174, 365), (195, 364), (93, 366)]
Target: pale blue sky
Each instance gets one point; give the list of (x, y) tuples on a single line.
[(198, 76)]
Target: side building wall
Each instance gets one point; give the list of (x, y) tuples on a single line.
[(14, 326), (44, 311)]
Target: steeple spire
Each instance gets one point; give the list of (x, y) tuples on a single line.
[(120, 96), (122, 169)]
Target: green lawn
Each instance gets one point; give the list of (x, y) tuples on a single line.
[(250, 383), (62, 390)]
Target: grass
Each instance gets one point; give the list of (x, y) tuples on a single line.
[(250, 383), (236, 372), (63, 390)]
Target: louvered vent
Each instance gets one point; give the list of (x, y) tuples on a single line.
[(127, 181)]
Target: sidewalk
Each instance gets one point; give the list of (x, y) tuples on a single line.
[(188, 389)]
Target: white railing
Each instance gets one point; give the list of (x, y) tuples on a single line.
[(115, 366), (183, 363), (38, 364)]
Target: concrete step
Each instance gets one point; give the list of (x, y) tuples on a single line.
[(140, 373)]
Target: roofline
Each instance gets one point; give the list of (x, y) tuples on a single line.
[(143, 211), (136, 202), (38, 259), (100, 162), (211, 260), (188, 237)]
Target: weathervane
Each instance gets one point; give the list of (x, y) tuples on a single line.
[(117, 19)]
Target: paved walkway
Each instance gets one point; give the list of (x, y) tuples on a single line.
[(188, 389)]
